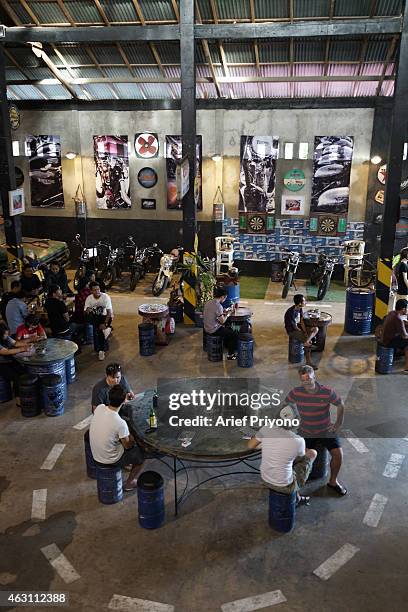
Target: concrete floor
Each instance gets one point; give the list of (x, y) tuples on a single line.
[(220, 549)]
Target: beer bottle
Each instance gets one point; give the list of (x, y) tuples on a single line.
[(152, 413)]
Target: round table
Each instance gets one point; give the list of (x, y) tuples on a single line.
[(239, 317), (322, 322), (49, 358), (211, 446), (158, 315)]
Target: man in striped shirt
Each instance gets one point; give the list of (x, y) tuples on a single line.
[(313, 402)]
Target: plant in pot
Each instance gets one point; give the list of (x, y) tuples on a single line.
[(201, 270)]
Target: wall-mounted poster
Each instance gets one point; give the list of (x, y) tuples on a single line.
[(257, 174), (293, 205), (146, 145), (331, 174), (148, 204), (16, 202), (111, 154), (44, 154), (174, 154)]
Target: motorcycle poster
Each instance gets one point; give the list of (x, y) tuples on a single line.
[(45, 171), (331, 174), (258, 173), (174, 154), (111, 154)]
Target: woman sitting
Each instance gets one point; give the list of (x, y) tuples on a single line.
[(10, 369)]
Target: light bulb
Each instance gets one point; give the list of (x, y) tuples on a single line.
[(376, 159), (70, 155)]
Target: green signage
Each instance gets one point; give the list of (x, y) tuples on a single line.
[(294, 180)]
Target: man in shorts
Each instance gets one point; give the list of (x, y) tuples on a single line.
[(111, 443), (296, 328), (313, 402), (285, 464)]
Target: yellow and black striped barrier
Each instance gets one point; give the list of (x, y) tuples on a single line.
[(189, 289), (383, 288)]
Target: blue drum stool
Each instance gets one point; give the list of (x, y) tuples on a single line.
[(245, 351), (52, 394), (150, 498), (146, 339), (5, 390), (320, 467), (29, 385), (282, 511), (90, 463), (109, 482), (70, 370), (296, 350), (214, 348), (384, 360)]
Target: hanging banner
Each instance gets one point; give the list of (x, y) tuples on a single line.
[(174, 155), (44, 154), (258, 172), (111, 154), (331, 174)]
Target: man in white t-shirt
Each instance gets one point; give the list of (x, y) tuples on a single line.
[(111, 442), (99, 306), (285, 463)]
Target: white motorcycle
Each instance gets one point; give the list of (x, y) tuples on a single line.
[(168, 266)]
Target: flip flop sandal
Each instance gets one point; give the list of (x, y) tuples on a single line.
[(338, 488), (303, 501)]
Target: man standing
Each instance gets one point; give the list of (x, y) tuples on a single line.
[(296, 328), (313, 402), (99, 306), (114, 376), (285, 464), (214, 321), (394, 331), (111, 443)]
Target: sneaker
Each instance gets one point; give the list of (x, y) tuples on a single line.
[(107, 332), (101, 355), (232, 356)]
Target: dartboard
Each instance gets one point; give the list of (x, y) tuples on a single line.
[(328, 225), (146, 145), (256, 224)]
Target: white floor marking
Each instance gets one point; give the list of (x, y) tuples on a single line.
[(356, 443), (39, 505), (52, 457), (84, 423), (375, 510), (249, 604), (393, 466), (132, 604), (336, 561), (60, 563)]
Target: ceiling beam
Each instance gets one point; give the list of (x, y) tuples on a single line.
[(207, 54), (388, 59), (92, 34), (21, 69), (53, 68)]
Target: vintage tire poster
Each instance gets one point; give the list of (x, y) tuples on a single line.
[(331, 174), (45, 171), (111, 154), (174, 154), (258, 173)]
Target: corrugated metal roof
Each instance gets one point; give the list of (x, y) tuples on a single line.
[(13, 73), (342, 69), (120, 72), (27, 92), (309, 51), (271, 9), (55, 92), (138, 53), (199, 54), (83, 11), (308, 69), (233, 9), (275, 70), (312, 8), (306, 90), (82, 73), (245, 90), (276, 90), (339, 89), (387, 88), (100, 91), (366, 88), (157, 10), (106, 54), (148, 72), (237, 53), (172, 72), (11, 95), (20, 12), (48, 12), (25, 57), (157, 91), (274, 52), (205, 10), (129, 91), (388, 7), (119, 10), (169, 53), (377, 50), (344, 50), (347, 8), (74, 55), (215, 53), (39, 73)]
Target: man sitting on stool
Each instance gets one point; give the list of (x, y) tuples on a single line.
[(286, 463), (395, 332), (111, 443), (114, 376), (214, 319), (296, 328)]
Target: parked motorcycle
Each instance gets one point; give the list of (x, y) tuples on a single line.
[(168, 266), (321, 274), (289, 271), (109, 263), (140, 263), (88, 260)]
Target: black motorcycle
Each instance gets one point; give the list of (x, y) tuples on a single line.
[(88, 260), (289, 272), (109, 265), (321, 274), (141, 263)]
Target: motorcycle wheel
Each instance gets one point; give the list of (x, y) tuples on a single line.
[(159, 284), (287, 283), (323, 287), (109, 276), (134, 279)]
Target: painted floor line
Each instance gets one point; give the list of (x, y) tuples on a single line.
[(133, 604), (60, 563), (53, 456), (329, 567), (39, 505), (356, 443), (249, 604), (84, 423), (376, 508), (393, 466)]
